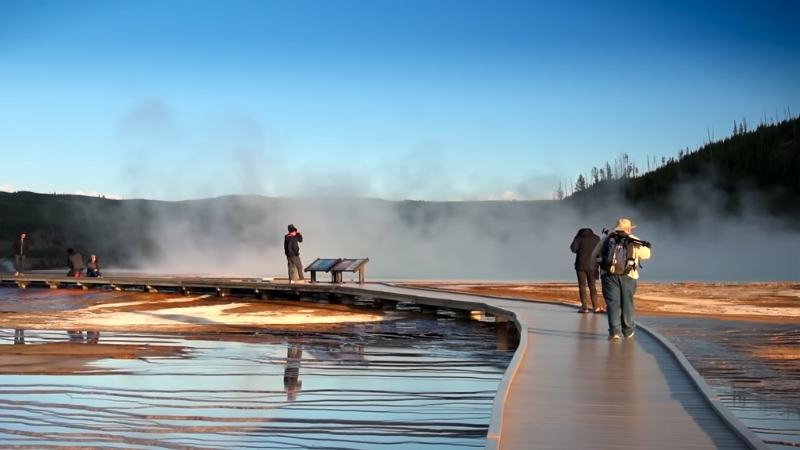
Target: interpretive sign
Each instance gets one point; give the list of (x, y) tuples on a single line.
[(336, 267), (349, 265), (322, 265)]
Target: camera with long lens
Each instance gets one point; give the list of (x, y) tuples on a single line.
[(628, 238)]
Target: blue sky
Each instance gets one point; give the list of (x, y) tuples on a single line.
[(392, 99)]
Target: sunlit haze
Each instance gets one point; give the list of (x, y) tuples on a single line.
[(442, 100)]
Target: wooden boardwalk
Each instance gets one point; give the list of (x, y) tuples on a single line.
[(573, 389), (567, 387)]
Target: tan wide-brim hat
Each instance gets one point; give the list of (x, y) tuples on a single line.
[(624, 224)]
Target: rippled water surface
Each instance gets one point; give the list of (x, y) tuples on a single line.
[(409, 384), (753, 367)]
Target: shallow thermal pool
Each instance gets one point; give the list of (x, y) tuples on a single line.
[(752, 366), (408, 384)]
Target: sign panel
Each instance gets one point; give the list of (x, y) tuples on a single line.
[(349, 265), (322, 265)]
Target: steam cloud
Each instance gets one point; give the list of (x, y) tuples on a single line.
[(524, 241), (521, 240)]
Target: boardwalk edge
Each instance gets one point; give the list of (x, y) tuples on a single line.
[(496, 423)]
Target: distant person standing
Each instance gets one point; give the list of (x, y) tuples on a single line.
[(20, 252), (583, 246), (19, 336), (93, 267), (75, 263), (619, 254), (291, 247)]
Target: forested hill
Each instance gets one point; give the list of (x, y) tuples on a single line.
[(55, 222), (765, 161), (137, 233)]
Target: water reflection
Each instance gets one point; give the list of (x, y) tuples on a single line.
[(752, 366), (19, 337), (291, 375), (77, 336), (91, 337), (396, 386)]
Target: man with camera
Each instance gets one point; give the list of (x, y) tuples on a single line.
[(619, 253), (291, 247)]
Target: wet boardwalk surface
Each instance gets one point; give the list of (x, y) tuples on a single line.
[(574, 389), (577, 390)]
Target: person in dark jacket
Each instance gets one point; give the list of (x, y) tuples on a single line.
[(20, 248), (75, 263), (291, 247), (586, 268)]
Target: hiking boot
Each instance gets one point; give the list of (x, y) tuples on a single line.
[(614, 337)]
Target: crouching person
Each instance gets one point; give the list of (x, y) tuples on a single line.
[(75, 263), (619, 254), (93, 268)]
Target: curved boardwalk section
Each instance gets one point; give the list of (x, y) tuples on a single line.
[(573, 389)]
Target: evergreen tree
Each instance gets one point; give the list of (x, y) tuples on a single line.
[(580, 184)]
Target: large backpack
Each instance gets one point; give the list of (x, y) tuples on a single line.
[(617, 255)]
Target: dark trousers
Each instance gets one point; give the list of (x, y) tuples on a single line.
[(618, 290), (19, 263), (294, 263), (586, 279)]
